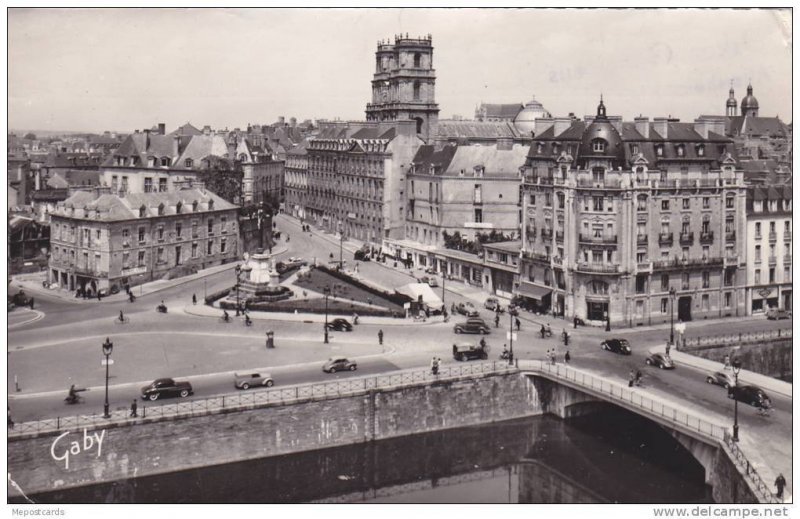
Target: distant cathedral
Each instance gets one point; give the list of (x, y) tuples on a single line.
[(403, 84), (749, 103)]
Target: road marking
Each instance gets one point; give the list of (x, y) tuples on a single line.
[(39, 315)]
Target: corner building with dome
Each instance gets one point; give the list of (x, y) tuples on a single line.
[(624, 223)]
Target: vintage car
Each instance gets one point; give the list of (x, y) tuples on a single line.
[(753, 395), (493, 304), (660, 360), (621, 346), (340, 325), (472, 325), (339, 364), (467, 309), (721, 378), (775, 314), (469, 351), (166, 387), (248, 380)]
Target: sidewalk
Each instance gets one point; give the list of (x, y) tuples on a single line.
[(32, 283), (770, 384)]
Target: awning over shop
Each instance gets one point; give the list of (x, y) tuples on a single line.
[(533, 291), (414, 290)]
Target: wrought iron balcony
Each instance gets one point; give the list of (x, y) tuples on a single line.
[(540, 256), (530, 232), (773, 236), (787, 259), (787, 235), (686, 238), (547, 234), (559, 235), (731, 259), (644, 266), (558, 260), (599, 268), (730, 236), (588, 238), (707, 237), (665, 238), (773, 260), (641, 239)]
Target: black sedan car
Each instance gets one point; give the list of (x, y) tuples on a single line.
[(166, 387), (621, 346), (753, 395), (339, 364), (340, 325)]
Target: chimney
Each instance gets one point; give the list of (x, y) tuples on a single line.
[(642, 126), (504, 144), (561, 124), (701, 126), (146, 139), (661, 126), (616, 122), (162, 128), (176, 145), (206, 130), (542, 124)]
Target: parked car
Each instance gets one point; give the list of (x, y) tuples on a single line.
[(721, 378), (774, 314), (472, 325), (21, 299), (361, 255), (753, 395), (660, 360), (467, 309), (339, 364), (166, 387), (248, 380), (493, 304), (621, 346), (340, 325), (469, 351), (432, 282)]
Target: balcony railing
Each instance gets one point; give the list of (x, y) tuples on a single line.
[(559, 235), (644, 266), (686, 238), (730, 236), (535, 256), (598, 268), (547, 234), (558, 260), (787, 259), (707, 237), (773, 236), (641, 239), (612, 183), (677, 263), (787, 235), (588, 238), (731, 259), (530, 232), (773, 260), (665, 238)]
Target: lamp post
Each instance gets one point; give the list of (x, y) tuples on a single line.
[(238, 273), (671, 311), (510, 338), (108, 346), (327, 293), (737, 366)]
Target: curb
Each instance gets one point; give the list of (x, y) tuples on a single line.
[(39, 315)]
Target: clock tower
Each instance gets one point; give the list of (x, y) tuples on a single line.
[(403, 84)]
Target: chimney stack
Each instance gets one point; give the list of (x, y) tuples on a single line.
[(661, 126), (504, 144), (206, 130), (643, 126), (162, 128)]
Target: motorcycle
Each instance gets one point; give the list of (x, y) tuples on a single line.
[(73, 397), (162, 308)]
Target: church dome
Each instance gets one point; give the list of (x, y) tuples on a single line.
[(601, 140), (731, 99), (526, 118), (749, 102)]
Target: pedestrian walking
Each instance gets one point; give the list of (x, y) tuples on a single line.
[(542, 331), (567, 357), (727, 362), (31, 303), (631, 378), (667, 348), (780, 482), (10, 421), (497, 321), (516, 321), (433, 365), (575, 322), (194, 299), (134, 409), (380, 336)]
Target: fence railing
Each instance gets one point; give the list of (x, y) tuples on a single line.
[(260, 398), (736, 338), (618, 392)]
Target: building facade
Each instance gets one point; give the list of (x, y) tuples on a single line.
[(101, 240), (769, 248), (632, 222), (403, 86), (296, 181)]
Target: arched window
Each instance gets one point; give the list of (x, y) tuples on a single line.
[(419, 124), (417, 60), (178, 207), (194, 206), (161, 209), (142, 211), (416, 90)]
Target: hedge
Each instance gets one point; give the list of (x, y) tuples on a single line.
[(397, 299), (216, 296)]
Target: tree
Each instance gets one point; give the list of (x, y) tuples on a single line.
[(30, 136)]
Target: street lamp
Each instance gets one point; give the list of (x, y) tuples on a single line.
[(671, 310), (510, 338), (737, 366), (327, 293), (108, 346), (238, 273)]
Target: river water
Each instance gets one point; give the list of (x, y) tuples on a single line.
[(609, 457)]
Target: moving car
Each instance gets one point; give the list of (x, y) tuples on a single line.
[(660, 360), (340, 325), (166, 387), (432, 282), (469, 351), (472, 325), (721, 378), (753, 395), (339, 364), (362, 254), (774, 314), (493, 304), (467, 309), (621, 346), (21, 299), (248, 380)]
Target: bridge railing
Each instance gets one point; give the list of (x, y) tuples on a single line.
[(736, 338), (622, 393), (260, 398)]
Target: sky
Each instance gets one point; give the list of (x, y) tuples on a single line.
[(127, 69)]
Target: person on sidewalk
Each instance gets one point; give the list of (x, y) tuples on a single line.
[(727, 362), (516, 321), (99, 296), (134, 409), (31, 303), (631, 378), (780, 483), (567, 358), (575, 322), (497, 321), (194, 299), (667, 348), (380, 337), (434, 366)]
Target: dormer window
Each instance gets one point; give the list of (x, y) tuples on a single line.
[(660, 150), (188, 163), (598, 145), (210, 205), (178, 208), (701, 150), (194, 206), (539, 147), (681, 150), (142, 212), (151, 162), (165, 161), (634, 149), (758, 206), (243, 157), (160, 209)]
